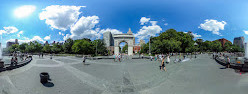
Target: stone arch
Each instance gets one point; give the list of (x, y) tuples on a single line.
[(128, 38)]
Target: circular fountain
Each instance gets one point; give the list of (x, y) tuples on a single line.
[(1, 57)]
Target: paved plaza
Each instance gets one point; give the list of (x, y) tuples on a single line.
[(132, 76)]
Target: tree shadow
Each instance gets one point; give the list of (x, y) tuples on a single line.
[(48, 84)]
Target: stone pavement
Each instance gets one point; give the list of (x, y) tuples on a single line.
[(137, 76)]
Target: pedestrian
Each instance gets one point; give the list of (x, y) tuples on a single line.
[(39, 55), (84, 58), (119, 57), (151, 57), (12, 61), (162, 67), (155, 58), (142, 55), (42, 55), (228, 63), (15, 60), (168, 59), (114, 57)]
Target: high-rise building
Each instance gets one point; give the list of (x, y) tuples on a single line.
[(239, 41), (108, 39), (11, 43)]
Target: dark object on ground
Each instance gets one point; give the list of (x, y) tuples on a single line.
[(44, 77), (1, 64)]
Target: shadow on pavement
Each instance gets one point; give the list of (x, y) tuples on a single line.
[(86, 64), (223, 68), (48, 84)]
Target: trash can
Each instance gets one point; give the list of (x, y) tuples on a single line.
[(44, 77)]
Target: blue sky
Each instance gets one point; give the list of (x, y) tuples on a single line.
[(56, 20)]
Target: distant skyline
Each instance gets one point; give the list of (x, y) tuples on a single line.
[(57, 20)]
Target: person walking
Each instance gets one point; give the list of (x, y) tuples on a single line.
[(155, 58), (84, 58), (142, 55), (228, 62), (119, 57), (162, 67), (114, 57), (151, 57), (168, 59)]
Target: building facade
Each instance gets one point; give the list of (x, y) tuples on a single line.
[(239, 41), (9, 44), (223, 41)]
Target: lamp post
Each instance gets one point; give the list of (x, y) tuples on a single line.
[(149, 45), (195, 44)]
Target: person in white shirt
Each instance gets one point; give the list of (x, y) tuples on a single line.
[(168, 59)]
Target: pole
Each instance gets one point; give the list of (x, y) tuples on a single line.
[(149, 46), (96, 47)]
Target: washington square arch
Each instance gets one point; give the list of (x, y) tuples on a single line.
[(113, 41)]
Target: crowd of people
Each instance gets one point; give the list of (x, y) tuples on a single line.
[(14, 59)]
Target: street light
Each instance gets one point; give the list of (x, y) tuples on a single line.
[(195, 44)]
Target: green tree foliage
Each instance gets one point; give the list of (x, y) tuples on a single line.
[(171, 41), (47, 49), (82, 47), (23, 47), (125, 48), (67, 46), (13, 48), (100, 45), (56, 48)]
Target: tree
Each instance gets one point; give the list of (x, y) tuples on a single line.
[(124, 49), (13, 48), (82, 47), (37, 46), (47, 49), (216, 46), (23, 47), (67, 45), (100, 45), (56, 48)]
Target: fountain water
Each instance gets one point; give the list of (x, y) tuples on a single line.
[(1, 57), (246, 53)]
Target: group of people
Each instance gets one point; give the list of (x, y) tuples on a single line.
[(14, 59), (117, 57), (41, 54)]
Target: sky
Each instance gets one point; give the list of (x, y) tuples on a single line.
[(58, 20)]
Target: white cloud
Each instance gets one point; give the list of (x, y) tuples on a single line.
[(47, 37), (66, 36), (60, 17), (20, 33), (83, 28), (213, 25), (26, 40), (24, 11), (8, 30), (113, 31), (61, 34), (147, 31), (196, 36), (165, 24), (144, 20), (246, 32)]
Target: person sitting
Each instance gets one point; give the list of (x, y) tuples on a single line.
[(15, 60), (12, 61)]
